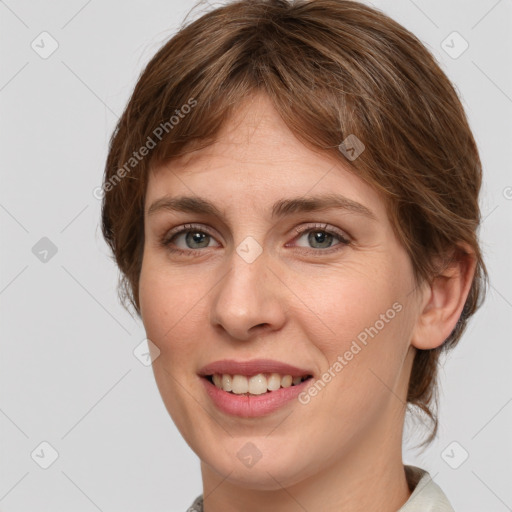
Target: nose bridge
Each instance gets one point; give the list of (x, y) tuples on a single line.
[(247, 296)]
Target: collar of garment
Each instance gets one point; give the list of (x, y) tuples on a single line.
[(426, 495)]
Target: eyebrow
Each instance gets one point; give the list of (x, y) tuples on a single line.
[(290, 206), (281, 208)]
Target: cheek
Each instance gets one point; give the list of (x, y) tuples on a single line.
[(171, 309), (361, 329), (171, 312), (340, 304)]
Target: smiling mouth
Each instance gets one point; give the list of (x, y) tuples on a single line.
[(258, 384)]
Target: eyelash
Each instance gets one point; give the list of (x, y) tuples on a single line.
[(166, 240), (343, 240), (168, 237)]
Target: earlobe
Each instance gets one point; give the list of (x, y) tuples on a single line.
[(443, 301)]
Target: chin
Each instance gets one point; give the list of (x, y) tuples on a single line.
[(272, 471)]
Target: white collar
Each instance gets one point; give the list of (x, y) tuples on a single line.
[(426, 495)]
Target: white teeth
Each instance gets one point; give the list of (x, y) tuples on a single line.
[(258, 384), (240, 384), (255, 385), (296, 380), (274, 381), (227, 383), (286, 381)]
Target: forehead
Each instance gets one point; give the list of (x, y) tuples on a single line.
[(255, 160)]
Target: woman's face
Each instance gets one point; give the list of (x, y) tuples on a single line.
[(260, 275)]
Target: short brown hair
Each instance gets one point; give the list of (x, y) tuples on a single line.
[(332, 68)]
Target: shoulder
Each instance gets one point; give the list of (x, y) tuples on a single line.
[(197, 506), (426, 495)]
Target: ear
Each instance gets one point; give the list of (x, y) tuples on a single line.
[(443, 299)]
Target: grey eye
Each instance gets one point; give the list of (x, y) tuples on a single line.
[(318, 239), (197, 237)]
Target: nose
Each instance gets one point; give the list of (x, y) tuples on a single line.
[(248, 300)]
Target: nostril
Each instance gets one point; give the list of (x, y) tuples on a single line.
[(260, 327)]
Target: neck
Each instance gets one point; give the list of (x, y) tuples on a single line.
[(370, 477)]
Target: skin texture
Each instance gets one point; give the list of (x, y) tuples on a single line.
[(296, 303)]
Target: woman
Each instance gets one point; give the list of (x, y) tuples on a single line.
[(291, 196)]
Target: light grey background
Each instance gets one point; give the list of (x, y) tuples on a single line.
[(67, 370)]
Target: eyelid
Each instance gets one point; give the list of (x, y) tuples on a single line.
[(183, 228), (345, 237)]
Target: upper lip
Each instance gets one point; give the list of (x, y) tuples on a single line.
[(252, 367)]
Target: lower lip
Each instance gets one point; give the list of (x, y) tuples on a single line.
[(252, 406)]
